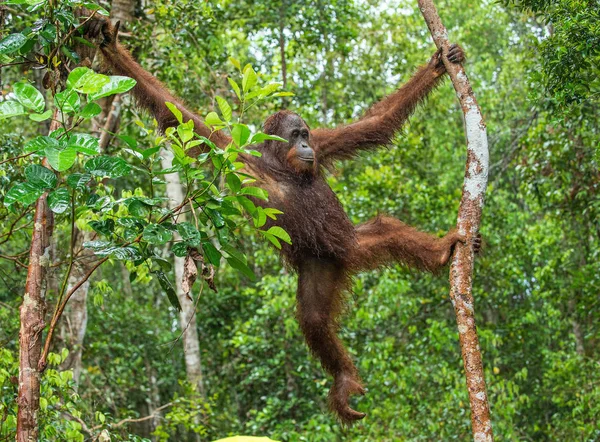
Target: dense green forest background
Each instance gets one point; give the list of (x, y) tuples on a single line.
[(534, 66)]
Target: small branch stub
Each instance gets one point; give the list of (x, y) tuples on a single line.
[(469, 216)]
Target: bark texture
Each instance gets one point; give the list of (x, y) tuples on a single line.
[(32, 315), (187, 317), (469, 216)]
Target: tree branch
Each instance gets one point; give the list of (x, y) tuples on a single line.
[(469, 217)]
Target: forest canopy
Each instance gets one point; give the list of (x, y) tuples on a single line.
[(166, 312)]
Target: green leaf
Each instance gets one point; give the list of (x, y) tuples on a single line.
[(86, 81), (241, 266), (41, 117), (90, 110), (186, 131), (260, 217), (105, 165), (24, 193), (41, 143), (61, 159), (59, 200), (211, 253), (78, 181), (235, 63), (272, 239), (84, 143), (175, 111), (233, 181), (212, 119), (225, 108), (12, 43), (29, 97), (68, 101), (235, 87), (260, 137), (105, 227), (249, 80), (116, 85), (11, 108), (40, 177), (180, 249), (106, 248), (168, 288), (280, 233), (256, 192), (240, 134), (157, 234), (189, 234)]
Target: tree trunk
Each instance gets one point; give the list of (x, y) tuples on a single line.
[(32, 314), (187, 318), (74, 323), (469, 217), (282, 11)]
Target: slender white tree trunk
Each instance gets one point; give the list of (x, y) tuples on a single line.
[(469, 217), (187, 318)]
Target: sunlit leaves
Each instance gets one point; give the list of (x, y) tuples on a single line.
[(12, 43), (61, 159), (11, 108), (86, 81), (115, 85), (29, 96)]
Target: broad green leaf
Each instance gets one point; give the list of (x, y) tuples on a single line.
[(105, 227), (105, 165), (41, 117), (211, 253), (12, 43), (175, 111), (106, 248), (84, 143), (59, 200), (68, 101), (11, 108), (272, 239), (212, 119), (40, 177), (168, 288), (61, 159), (116, 85), (283, 94), (41, 143), (233, 182), (280, 233), (189, 234), (225, 108), (186, 131), (256, 192), (29, 97), (78, 180), (86, 81), (241, 267), (260, 217), (240, 134), (180, 249), (157, 234), (90, 110), (249, 80), (24, 193)]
